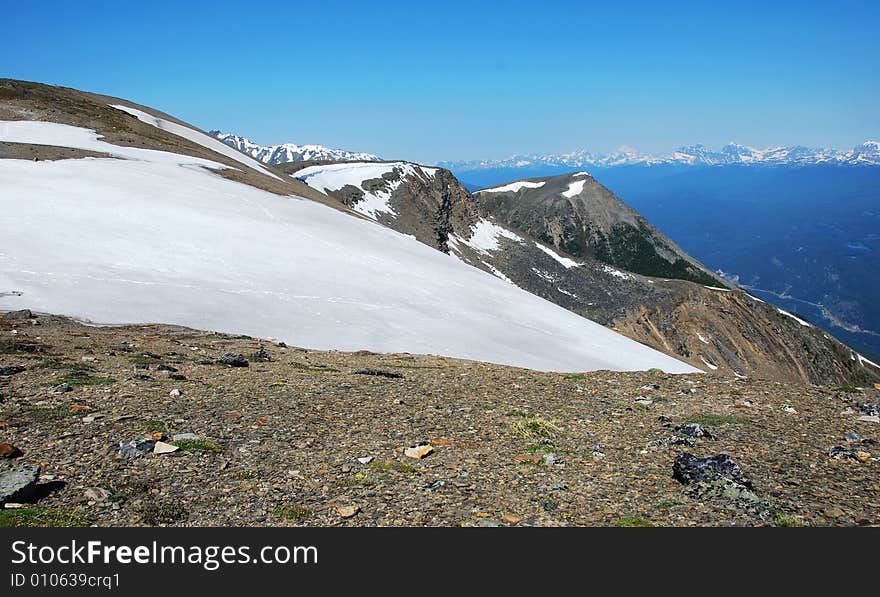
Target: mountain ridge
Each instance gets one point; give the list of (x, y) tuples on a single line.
[(291, 152), (865, 154)]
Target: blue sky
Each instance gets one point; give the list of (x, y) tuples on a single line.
[(466, 80)]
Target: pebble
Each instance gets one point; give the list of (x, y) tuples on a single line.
[(175, 393), (365, 459)]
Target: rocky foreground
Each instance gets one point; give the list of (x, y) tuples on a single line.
[(162, 425)]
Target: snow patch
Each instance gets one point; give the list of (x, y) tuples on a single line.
[(196, 137), (708, 364), (795, 317), (616, 273), (575, 188), (486, 235), (571, 294), (514, 187), (716, 288), (565, 261), (703, 340)]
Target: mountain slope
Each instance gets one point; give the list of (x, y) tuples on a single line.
[(291, 152), (713, 328), (140, 233), (577, 215)]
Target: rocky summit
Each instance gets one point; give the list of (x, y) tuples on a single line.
[(305, 437)]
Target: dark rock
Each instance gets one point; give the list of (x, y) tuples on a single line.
[(261, 356), (168, 368), (20, 314), (872, 410), (379, 373), (177, 376), (233, 360), (142, 377), (141, 366), (841, 452), (136, 448), (689, 469), (692, 430), (9, 451), (19, 485), (62, 387), (11, 370)]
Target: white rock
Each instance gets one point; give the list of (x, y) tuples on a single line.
[(365, 459), (175, 392), (869, 419), (164, 448)]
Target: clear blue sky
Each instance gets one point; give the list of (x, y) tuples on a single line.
[(464, 80)]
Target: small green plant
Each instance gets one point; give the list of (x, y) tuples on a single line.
[(198, 445), (292, 512), (157, 425), (782, 519), (40, 413), (848, 389), (575, 376), (165, 512), (709, 419), (356, 479), (540, 449), (43, 517), (633, 521), (655, 371), (392, 465), (533, 428)]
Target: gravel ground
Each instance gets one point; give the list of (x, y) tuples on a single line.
[(277, 443)]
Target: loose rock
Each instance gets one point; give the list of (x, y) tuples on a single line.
[(163, 448), (19, 485), (379, 373), (13, 370), (233, 360), (9, 451), (419, 450), (689, 469), (136, 448)]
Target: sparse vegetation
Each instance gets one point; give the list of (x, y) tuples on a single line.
[(392, 465), (198, 445), (43, 517), (782, 519), (162, 512), (533, 428), (292, 512), (633, 521), (709, 419)]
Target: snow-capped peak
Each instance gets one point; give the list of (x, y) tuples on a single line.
[(291, 152), (868, 153)]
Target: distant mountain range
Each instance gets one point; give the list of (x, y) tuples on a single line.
[(291, 152), (868, 153)]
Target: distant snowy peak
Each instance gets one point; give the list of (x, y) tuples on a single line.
[(290, 152), (868, 153)]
